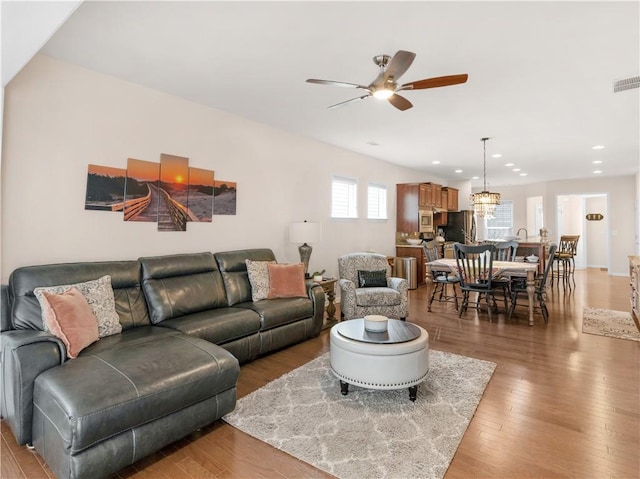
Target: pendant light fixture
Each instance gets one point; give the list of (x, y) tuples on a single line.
[(484, 203)]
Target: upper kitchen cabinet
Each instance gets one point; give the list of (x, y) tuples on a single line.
[(426, 195), (452, 198), (430, 195), (407, 207)]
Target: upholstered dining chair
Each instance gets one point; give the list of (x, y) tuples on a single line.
[(475, 270), (366, 287), (505, 251), (441, 279), (519, 287)]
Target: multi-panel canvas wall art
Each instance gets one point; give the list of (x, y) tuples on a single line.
[(169, 193)]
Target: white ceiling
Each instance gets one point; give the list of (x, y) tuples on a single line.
[(540, 75)]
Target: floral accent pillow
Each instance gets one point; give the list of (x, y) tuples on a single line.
[(69, 317), (258, 278), (99, 295)]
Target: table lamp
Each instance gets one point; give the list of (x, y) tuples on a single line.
[(305, 232)]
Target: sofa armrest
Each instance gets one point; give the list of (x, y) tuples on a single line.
[(317, 296), (399, 284), (347, 297), (25, 354)]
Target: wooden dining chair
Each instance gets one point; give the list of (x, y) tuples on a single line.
[(441, 279), (475, 271), (505, 251), (519, 287)]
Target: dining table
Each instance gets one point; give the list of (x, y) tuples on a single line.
[(509, 269)]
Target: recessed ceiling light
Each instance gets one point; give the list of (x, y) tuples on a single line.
[(517, 169), (373, 143), (508, 164), (523, 174), (597, 147), (475, 177), (596, 162), (458, 171), (435, 162), (597, 171), (497, 155)]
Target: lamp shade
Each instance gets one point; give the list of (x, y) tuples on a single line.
[(305, 232)]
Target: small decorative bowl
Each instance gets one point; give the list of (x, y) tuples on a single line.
[(414, 241), (375, 323), (532, 259)]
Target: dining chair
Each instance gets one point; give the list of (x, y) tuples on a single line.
[(441, 279), (505, 251), (475, 271), (519, 287), (564, 260)]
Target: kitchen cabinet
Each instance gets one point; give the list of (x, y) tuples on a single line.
[(416, 252), (452, 198), (634, 274), (437, 195), (426, 195), (407, 196)]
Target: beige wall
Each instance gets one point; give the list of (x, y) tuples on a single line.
[(620, 191), (58, 118)]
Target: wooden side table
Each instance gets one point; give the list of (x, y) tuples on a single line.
[(329, 287)]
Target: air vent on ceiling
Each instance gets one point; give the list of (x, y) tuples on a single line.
[(626, 84)]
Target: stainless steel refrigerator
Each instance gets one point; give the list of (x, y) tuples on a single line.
[(461, 227)]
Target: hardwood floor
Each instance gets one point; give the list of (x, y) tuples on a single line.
[(560, 403)]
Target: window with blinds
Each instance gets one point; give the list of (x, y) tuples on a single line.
[(377, 202), (344, 198), (501, 224)]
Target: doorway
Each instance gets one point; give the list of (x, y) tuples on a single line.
[(593, 246)]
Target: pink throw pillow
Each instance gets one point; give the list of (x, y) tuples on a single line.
[(69, 317), (286, 280)]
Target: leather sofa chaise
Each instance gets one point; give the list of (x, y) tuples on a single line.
[(188, 322)]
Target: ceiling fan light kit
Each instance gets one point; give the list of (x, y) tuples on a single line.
[(485, 203), (385, 86)]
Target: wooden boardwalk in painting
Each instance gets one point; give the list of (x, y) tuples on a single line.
[(161, 210)]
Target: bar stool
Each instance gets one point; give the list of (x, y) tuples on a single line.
[(564, 260)]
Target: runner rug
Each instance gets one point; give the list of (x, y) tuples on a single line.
[(607, 322), (368, 433)]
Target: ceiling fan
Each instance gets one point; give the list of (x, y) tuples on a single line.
[(386, 86)]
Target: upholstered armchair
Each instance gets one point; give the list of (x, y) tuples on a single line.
[(366, 287)]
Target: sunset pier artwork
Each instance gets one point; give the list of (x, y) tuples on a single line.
[(169, 193)]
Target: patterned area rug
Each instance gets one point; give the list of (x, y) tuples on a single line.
[(606, 322), (367, 433)]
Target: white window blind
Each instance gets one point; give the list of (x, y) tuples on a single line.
[(344, 198), (377, 202), (501, 224)]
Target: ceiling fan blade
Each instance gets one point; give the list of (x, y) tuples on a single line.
[(342, 103), (435, 82), (400, 102), (399, 64), (336, 83)]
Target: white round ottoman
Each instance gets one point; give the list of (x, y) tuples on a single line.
[(395, 359)]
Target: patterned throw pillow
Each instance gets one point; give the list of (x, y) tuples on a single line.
[(372, 279), (258, 278), (69, 317), (99, 295)]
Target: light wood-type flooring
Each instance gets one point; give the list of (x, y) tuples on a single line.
[(560, 403)]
